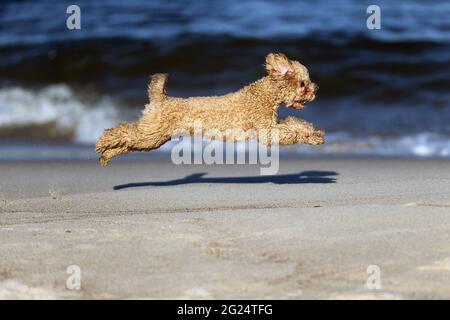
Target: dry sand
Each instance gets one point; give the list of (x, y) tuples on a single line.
[(171, 232)]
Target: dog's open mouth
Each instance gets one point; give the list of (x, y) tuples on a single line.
[(299, 104)]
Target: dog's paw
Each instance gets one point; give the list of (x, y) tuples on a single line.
[(315, 137), (318, 137), (103, 161), (103, 143)]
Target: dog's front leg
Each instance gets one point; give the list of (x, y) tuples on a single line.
[(293, 130)]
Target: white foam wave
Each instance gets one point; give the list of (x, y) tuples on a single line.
[(59, 105)]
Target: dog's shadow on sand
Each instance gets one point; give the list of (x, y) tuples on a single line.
[(295, 178)]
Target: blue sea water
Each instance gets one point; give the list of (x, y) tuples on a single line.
[(382, 92)]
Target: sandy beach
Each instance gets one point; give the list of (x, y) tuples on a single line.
[(150, 229)]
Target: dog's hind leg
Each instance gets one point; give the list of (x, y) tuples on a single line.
[(115, 141), (126, 138), (149, 133), (107, 155), (118, 137)]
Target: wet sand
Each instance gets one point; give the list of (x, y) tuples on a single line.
[(150, 229)]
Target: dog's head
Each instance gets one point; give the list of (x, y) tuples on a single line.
[(293, 79)]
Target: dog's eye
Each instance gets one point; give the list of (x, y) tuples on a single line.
[(302, 84)]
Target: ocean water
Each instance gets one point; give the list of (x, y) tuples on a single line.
[(382, 92)]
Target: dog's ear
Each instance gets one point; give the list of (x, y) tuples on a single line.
[(279, 66)]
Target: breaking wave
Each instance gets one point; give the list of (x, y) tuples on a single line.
[(54, 112)]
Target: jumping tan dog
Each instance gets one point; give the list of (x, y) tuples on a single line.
[(254, 107)]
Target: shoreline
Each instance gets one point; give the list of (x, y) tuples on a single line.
[(150, 229)]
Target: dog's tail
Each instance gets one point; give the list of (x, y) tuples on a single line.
[(157, 86), (117, 140)]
